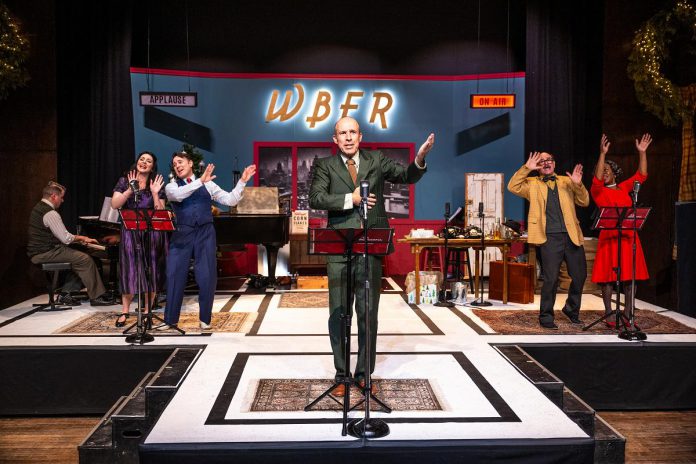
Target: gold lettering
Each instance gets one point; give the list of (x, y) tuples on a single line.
[(347, 105), (323, 100), (283, 113), (381, 110)]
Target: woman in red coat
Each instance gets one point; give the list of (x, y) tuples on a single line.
[(607, 192)]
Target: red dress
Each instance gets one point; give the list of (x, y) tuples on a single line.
[(607, 248)]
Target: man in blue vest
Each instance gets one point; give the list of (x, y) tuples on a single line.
[(192, 199)]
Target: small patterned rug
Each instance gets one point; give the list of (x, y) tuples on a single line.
[(509, 322), (103, 323), (304, 300), (295, 394)]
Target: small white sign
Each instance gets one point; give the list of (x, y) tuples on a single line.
[(300, 221)]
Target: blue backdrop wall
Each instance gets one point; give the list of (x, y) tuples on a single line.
[(232, 111)]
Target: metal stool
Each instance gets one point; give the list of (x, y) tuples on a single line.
[(455, 261), (52, 271)]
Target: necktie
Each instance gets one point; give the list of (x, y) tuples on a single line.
[(350, 164), (188, 181), (550, 177)]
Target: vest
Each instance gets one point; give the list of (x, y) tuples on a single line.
[(554, 214), (40, 239), (195, 209)]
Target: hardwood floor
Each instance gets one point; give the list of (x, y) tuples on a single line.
[(653, 437), (44, 439), (658, 437)]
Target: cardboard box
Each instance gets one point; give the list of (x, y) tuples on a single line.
[(312, 282)]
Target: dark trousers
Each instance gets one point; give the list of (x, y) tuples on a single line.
[(559, 247), (199, 243), (338, 276)]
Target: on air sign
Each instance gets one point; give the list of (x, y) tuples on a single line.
[(492, 101)]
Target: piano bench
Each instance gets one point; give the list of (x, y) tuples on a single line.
[(52, 270)]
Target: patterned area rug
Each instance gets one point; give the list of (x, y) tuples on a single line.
[(527, 322), (304, 300), (103, 323), (295, 394)]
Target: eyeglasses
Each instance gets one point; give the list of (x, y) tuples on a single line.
[(547, 161)]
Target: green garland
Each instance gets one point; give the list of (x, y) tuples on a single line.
[(196, 157), (14, 50), (650, 48)]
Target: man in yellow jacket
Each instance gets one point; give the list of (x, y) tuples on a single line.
[(554, 227)]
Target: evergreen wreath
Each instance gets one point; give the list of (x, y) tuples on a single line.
[(14, 50), (650, 49)]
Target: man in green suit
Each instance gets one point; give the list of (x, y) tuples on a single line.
[(336, 188)]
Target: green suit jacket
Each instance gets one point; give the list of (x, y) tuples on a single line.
[(331, 183)]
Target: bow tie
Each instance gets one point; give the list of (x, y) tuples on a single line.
[(548, 178)]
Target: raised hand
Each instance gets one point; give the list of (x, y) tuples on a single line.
[(576, 176), (208, 173), (248, 173), (156, 185), (425, 148), (643, 144), (533, 161), (604, 145)]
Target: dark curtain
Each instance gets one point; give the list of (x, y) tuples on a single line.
[(563, 91), (95, 116)]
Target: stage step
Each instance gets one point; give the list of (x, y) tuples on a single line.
[(118, 435), (609, 444), (551, 386)]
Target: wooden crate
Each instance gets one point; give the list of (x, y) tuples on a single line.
[(312, 282), (520, 282)]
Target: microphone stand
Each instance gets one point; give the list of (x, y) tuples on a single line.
[(442, 295), (480, 301), (632, 332), (367, 427)]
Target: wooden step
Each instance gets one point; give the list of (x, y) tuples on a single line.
[(97, 448), (579, 412)]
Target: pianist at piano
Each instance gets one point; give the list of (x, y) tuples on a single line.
[(191, 199), (48, 241), (152, 269)]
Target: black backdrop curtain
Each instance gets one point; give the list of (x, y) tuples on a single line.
[(95, 119), (563, 92)]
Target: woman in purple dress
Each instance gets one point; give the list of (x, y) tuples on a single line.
[(151, 195)]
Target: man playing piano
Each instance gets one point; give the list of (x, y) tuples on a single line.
[(192, 199), (48, 242)]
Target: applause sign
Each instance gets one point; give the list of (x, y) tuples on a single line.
[(189, 99)]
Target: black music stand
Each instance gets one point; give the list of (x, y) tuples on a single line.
[(622, 218), (144, 220), (349, 242)]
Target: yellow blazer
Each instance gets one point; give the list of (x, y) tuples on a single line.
[(536, 191)]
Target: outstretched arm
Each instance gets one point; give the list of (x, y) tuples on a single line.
[(603, 150), (642, 147)]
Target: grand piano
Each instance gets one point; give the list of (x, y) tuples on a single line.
[(269, 230), (109, 235)]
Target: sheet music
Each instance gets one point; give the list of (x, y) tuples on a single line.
[(108, 214)]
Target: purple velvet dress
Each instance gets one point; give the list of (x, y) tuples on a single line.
[(155, 249)]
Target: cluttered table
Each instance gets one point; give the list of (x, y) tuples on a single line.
[(503, 244)]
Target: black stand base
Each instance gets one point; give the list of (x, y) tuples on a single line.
[(635, 334), (481, 303), (140, 339), (372, 428)]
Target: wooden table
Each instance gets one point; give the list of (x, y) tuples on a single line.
[(503, 244)]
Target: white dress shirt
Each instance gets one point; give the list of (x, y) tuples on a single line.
[(176, 192), (53, 221)]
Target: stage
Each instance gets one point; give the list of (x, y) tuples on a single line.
[(455, 386)]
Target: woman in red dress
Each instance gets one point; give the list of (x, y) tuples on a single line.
[(606, 192)]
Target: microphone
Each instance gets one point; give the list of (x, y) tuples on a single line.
[(447, 209), (480, 209), (636, 188), (134, 185), (364, 189)]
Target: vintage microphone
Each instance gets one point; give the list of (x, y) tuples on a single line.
[(480, 301), (364, 194), (135, 188), (442, 295)]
